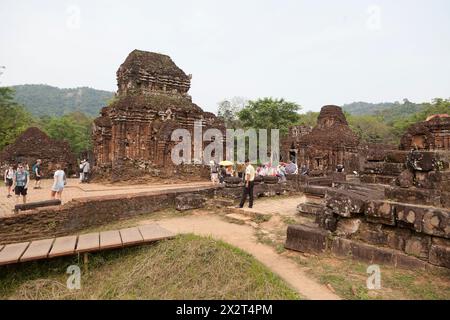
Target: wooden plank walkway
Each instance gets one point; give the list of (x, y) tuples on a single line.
[(91, 242)]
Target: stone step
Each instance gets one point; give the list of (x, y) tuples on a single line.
[(253, 214), (238, 217), (309, 208)]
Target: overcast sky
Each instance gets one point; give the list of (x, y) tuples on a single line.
[(310, 52)]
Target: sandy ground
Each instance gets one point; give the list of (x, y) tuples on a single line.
[(74, 189)]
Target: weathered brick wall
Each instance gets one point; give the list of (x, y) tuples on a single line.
[(379, 230), (83, 213)]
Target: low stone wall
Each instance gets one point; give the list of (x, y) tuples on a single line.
[(318, 241), (83, 213), (356, 220)]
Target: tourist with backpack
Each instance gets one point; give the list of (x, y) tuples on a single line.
[(20, 183), (9, 179), (37, 174)]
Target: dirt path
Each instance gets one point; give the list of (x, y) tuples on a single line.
[(242, 236)]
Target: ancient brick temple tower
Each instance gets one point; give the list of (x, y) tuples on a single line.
[(329, 143), (432, 134), (152, 100)]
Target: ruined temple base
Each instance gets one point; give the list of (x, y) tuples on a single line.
[(142, 173), (308, 239)]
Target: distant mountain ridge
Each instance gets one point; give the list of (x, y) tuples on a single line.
[(387, 110), (41, 99)]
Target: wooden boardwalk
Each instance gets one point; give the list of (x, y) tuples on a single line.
[(91, 242)]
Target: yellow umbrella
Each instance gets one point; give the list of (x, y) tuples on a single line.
[(226, 163)]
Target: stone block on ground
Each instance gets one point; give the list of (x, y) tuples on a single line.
[(396, 156), (445, 199), (326, 219), (413, 195), (345, 203), (320, 181), (421, 160), (418, 246), (422, 219), (362, 251), (306, 239), (309, 208), (37, 204), (372, 233), (405, 261), (405, 179), (189, 202), (392, 169), (341, 247), (315, 191), (440, 255), (436, 222), (396, 238), (379, 211), (347, 227)]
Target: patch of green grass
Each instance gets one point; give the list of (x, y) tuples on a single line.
[(187, 267), (348, 278), (288, 220), (260, 218)]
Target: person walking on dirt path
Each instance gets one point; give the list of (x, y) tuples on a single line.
[(9, 179), (81, 171), (86, 171), (59, 181), (20, 183), (248, 184), (37, 174)]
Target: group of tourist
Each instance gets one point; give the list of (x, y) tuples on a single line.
[(220, 172), (17, 179), (248, 173)]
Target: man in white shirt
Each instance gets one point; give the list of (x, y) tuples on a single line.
[(248, 184), (86, 171)]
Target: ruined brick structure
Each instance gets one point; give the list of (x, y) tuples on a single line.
[(290, 143), (152, 101), (330, 143), (34, 144), (401, 218), (432, 134), (381, 163)]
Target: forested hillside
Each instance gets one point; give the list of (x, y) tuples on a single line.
[(44, 100)]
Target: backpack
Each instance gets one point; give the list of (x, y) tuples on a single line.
[(34, 169)]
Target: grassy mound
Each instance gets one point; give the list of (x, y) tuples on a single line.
[(187, 267)]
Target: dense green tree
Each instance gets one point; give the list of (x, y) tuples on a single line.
[(74, 128), (400, 125), (14, 119), (371, 129), (269, 113), (308, 119)]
